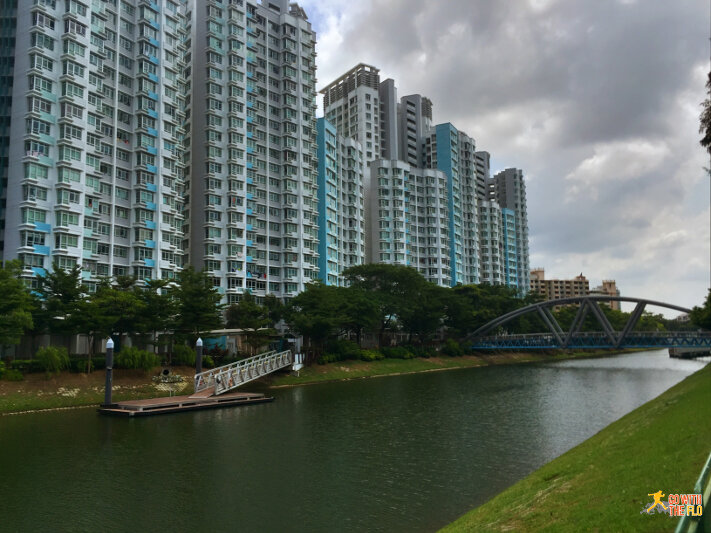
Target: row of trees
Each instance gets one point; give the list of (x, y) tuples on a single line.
[(382, 298), (379, 299), (61, 305)]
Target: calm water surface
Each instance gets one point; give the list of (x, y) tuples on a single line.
[(406, 453)]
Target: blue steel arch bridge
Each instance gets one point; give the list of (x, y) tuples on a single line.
[(557, 337)]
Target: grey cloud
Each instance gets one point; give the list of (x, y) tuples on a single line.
[(569, 78)]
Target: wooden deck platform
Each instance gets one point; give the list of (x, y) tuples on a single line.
[(179, 404)]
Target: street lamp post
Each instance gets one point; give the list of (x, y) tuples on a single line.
[(109, 371), (198, 356)]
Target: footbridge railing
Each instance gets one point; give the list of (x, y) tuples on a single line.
[(228, 377), (557, 337), (596, 340)]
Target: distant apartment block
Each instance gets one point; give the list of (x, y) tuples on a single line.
[(448, 222), (341, 203), (553, 289), (608, 287)]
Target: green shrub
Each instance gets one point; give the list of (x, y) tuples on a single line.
[(13, 375), (327, 358), (26, 366), (52, 359), (2, 368), (132, 357), (183, 356), (371, 355), (208, 361), (78, 364), (452, 348), (342, 349), (397, 352)]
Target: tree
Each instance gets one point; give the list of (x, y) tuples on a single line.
[(275, 308), (389, 286), (197, 303), (472, 306), (701, 316), (359, 311), (423, 313), (316, 313), (253, 319), (159, 309), (705, 119), (116, 309), (61, 293), (15, 304)]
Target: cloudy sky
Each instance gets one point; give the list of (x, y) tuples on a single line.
[(597, 101)]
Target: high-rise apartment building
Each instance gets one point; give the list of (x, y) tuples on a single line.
[(408, 218), (341, 203), (8, 28), (250, 119), (510, 192), (148, 134), (473, 239), (95, 175), (351, 103)]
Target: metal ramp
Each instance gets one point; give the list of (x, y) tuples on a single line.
[(228, 377)]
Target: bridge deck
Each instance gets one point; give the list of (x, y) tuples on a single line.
[(177, 404)]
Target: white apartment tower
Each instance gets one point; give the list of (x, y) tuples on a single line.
[(251, 122), (95, 175), (148, 133), (509, 189), (341, 197), (351, 103), (431, 203)]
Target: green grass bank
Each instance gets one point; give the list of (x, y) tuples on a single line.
[(353, 369), (603, 483)]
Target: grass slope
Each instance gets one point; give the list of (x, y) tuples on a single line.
[(603, 483), (37, 391), (389, 367)]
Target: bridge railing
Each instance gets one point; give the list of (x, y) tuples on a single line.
[(598, 339), (231, 376)]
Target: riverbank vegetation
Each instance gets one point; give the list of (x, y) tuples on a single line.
[(357, 369), (604, 483), (385, 311), (37, 391), (34, 388)]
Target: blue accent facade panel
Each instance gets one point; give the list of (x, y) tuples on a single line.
[(43, 227), (322, 125), (444, 133)]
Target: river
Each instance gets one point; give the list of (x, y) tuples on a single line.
[(405, 453)]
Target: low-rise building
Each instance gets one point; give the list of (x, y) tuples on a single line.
[(554, 289)]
